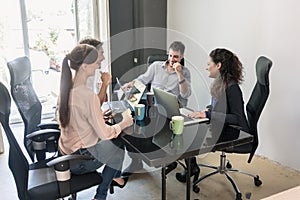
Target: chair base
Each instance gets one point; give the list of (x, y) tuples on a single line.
[(72, 197), (225, 168)]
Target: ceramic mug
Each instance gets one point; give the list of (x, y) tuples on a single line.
[(176, 124), (139, 111), (150, 98)]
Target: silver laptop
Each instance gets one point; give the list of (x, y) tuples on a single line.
[(127, 99), (168, 106)]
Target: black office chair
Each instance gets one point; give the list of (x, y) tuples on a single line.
[(160, 57), (254, 108), (38, 138), (49, 183)]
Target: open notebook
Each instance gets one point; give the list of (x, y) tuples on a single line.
[(168, 106)]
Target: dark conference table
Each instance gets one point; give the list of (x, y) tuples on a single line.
[(152, 141)]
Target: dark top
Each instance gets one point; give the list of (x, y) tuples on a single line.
[(227, 110)]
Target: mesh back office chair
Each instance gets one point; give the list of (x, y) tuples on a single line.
[(254, 108), (38, 138), (151, 59), (47, 183), (160, 57)]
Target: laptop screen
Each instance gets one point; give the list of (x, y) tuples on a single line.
[(135, 94), (167, 103), (137, 88)]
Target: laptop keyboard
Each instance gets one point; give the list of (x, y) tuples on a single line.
[(186, 118)]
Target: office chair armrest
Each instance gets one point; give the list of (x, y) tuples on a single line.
[(43, 135), (70, 159), (49, 125), (236, 126), (62, 167)]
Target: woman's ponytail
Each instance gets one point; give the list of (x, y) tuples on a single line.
[(65, 87)]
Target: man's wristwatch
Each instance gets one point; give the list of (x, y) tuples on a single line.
[(182, 81)]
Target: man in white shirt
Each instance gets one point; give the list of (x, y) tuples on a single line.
[(170, 76)]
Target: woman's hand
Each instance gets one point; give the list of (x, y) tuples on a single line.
[(127, 118), (197, 114), (108, 114)]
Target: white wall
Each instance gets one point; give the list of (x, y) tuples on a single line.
[(250, 29)]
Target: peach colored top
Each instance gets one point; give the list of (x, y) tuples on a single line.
[(86, 126)]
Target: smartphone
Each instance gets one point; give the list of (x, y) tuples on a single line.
[(110, 112)]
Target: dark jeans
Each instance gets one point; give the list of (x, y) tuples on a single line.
[(108, 152)]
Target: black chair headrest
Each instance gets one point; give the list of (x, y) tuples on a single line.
[(160, 57), (5, 100), (18, 76), (263, 66)]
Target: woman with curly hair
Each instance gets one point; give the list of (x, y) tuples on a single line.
[(227, 104)]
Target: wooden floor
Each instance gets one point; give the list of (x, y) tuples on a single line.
[(147, 186)]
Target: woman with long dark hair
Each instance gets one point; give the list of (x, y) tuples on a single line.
[(83, 128)]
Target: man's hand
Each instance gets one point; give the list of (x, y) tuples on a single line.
[(177, 67), (106, 78), (127, 86)]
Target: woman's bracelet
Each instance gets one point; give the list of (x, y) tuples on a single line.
[(206, 114)]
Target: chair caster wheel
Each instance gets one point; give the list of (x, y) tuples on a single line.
[(257, 182), (72, 197), (238, 196), (228, 165), (196, 189)]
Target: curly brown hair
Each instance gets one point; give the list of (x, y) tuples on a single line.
[(231, 69)]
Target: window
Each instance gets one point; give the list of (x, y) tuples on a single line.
[(11, 36), (44, 31)]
